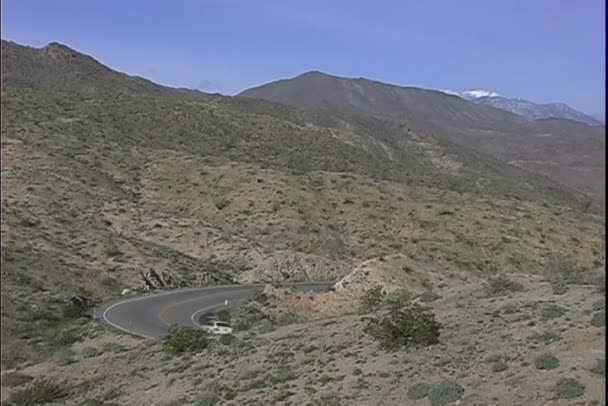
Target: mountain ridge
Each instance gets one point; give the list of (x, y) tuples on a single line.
[(505, 135), (526, 108)]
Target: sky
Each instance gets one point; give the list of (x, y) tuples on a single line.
[(540, 50)]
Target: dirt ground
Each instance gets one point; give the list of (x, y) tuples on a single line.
[(489, 345)]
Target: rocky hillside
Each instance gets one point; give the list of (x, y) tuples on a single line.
[(571, 155), (144, 189)]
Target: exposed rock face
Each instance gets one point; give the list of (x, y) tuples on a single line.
[(153, 280), (296, 267), (393, 274)]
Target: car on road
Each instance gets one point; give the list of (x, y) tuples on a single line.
[(217, 327)]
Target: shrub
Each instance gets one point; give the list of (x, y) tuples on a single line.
[(227, 339), (499, 366), (404, 327), (39, 392), (562, 271), (429, 296), (90, 352), (371, 300), (445, 393), (224, 315), (64, 356), (399, 298), (185, 339), (206, 399), (599, 305), (283, 374), (71, 311), (599, 319), (68, 337), (440, 394), (552, 311), (221, 204), (599, 368), (418, 391), (569, 388), (264, 326), (286, 318), (501, 285), (546, 361)]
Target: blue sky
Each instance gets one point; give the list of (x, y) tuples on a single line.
[(542, 50)]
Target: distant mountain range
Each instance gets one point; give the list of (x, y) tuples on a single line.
[(526, 108), (563, 149)]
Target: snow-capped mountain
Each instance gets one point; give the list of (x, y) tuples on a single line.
[(473, 93), (526, 108)]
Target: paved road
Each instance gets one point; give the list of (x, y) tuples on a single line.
[(152, 315)]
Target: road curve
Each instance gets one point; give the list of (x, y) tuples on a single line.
[(152, 315)]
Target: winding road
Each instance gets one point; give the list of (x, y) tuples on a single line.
[(152, 315)]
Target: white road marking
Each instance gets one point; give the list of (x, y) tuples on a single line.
[(192, 317)]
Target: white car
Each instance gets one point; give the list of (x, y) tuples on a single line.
[(218, 327)]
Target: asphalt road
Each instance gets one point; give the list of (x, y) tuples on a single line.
[(152, 315)]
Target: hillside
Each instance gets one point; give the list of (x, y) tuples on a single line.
[(103, 188), (502, 134)]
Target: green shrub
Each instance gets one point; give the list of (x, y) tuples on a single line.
[(229, 394), (599, 319), (371, 300), (599, 305), (418, 391), (206, 399), (501, 285), (224, 315), (440, 394), (68, 337), (552, 311), (399, 298), (445, 393), (562, 271), (284, 319), (264, 326), (282, 374), (546, 361), (429, 296), (569, 388), (90, 352), (64, 356), (559, 287), (599, 368), (71, 311), (39, 392), (227, 339), (404, 327), (499, 366), (185, 339)]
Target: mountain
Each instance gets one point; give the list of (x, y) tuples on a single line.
[(528, 109), (112, 182), (560, 149)]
